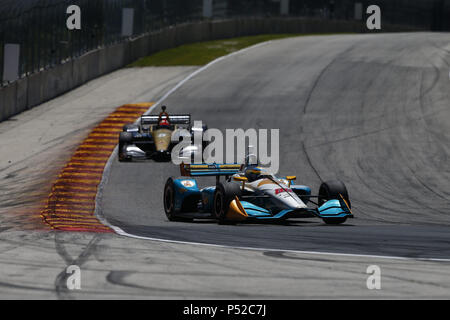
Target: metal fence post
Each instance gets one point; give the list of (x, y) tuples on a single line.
[(358, 11), (284, 7), (127, 22), (11, 62), (207, 8)]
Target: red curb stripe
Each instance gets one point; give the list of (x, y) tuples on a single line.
[(81, 170), (72, 229), (73, 184), (84, 166), (100, 162), (116, 122), (71, 205), (110, 126), (65, 212), (75, 196), (102, 143), (127, 112), (90, 149)]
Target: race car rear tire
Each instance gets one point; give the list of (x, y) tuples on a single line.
[(224, 194), (125, 139), (333, 190), (169, 202)]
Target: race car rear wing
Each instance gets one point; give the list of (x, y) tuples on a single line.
[(194, 170), (174, 119)]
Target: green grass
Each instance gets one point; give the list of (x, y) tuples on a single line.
[(201, 53)]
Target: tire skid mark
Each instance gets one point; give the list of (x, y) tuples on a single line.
[(61, 289), (71, 204), (308, 100)]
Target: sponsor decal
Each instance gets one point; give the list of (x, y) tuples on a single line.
[(281, 190)]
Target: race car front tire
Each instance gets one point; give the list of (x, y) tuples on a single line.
[(223, 195), (333, 190), (125, 139), (169, 202)]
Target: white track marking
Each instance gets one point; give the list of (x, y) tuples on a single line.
[(121, 232), (196, 72)]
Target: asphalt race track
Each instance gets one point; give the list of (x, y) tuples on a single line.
[(370, 110)]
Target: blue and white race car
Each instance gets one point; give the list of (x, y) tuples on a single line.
[(250, 193)]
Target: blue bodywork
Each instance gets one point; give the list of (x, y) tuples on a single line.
[(334, 209), (183, 192), (187, 191)]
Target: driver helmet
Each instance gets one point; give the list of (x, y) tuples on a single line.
[(164, 117), (164, 122), (253, 173)]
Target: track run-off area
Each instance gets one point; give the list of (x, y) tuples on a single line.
[(370, 110)]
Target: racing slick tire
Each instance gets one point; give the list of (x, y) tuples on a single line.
[(169, 202), (125, 139), (224, 194), (330, 190)]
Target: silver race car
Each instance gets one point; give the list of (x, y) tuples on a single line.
[(155, 136)]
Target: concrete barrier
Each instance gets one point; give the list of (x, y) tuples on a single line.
[(138, 48), (35, 90), (44, 85), (8, 101), (58, 81), (2, 103), (22, 95), (112, 58), (86, 68)]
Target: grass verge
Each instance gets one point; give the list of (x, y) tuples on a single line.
[(201, 53)]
